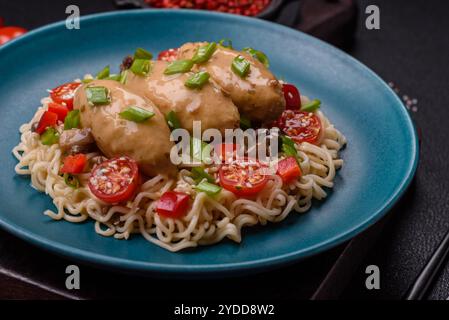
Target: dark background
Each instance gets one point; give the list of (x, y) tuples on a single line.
[(411, 49)]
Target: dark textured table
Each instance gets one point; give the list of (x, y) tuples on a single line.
[(410, 50)]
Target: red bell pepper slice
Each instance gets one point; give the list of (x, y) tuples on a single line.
[(74, 164), (292, 97), (173, 204), (59, 109), (48, 119), (288, 169)]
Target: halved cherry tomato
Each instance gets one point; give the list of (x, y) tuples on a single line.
[(225, 149), (288, 169), (300, 126), (115, 180), (292, 97), (243, 177), (64, 94), (48, 119), (74, 164), (173, 204), (59, 109), (168, 55), (9, 33)]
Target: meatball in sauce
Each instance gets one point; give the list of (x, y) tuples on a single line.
[(146, 142)]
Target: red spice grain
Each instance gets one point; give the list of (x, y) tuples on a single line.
[(241, 7)]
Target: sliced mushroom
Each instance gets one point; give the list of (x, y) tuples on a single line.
[(76, 140)]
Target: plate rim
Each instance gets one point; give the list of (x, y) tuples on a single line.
[(124, 264)]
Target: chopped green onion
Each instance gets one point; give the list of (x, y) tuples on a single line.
[(259, 55), (208, 188), (204, 53), (199, 150), (115, 77), (197, 80), (141, 67), (136, 114), (72, 120), (199, 174), (87, 80), (286, 140), (226, 43), (288, 147), (179, 66), (196, 148), (311, 106), (240, 66), (71, 180), (97, 95), (245, 123), (123, 76), (50, 136), (103, 73), (289, 151), (142, 54), (172, 120)]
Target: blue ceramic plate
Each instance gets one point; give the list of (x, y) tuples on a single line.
[(380, 158)]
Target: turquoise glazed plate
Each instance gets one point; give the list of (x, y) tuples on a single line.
[(380, 158)]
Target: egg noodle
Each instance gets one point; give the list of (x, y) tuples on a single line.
[(209, 220)]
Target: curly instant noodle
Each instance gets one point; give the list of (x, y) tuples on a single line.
[(209, 219)]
